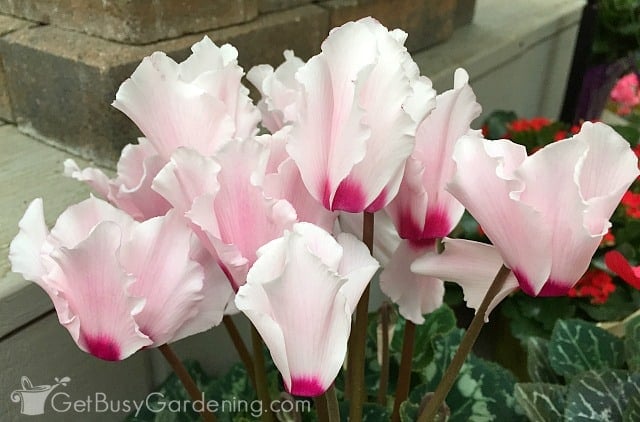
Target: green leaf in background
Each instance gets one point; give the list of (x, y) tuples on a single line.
[(444, 347), (440, 321), (628, 233), (541, 402), (496, 385), (577, 346), (409, 411), (632, 343), (538, 365), (535, 316), (234, 385), (419, 397), (630, 133), (601, 395), (497, 123), (483, 390), (371, 412), (172, 390), (617, 307), (632, 412)]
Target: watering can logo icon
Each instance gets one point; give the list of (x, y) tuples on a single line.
[(33, 398)]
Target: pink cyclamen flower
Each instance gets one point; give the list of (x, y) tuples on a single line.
[(130, 190), (279, 89), (547, 213), (117, 285), (199, 103), (355, 126), (300, 295), (224, 199), (625, 93), (423, 209)]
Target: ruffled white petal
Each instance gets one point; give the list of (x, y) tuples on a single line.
[(357, 266), (415, 294), (472, 265), (171, 112), (187, 176), (158, 255), (27, 247), (279, 89), (76, 222)]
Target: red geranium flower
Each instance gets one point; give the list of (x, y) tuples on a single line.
[(631, 203), (538, 123), (596, 284), (519, 125), (617, 263)]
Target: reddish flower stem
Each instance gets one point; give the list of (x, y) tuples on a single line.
[(404, 375), (260, 373), (384, 365), (359, 336), (241, 348), (327, 406), (184, 377)]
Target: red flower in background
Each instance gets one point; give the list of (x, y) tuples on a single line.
[(631, 203), (560, 135), (596, 284), (617, 263), (608, 240), (538, 123), (535, 124)]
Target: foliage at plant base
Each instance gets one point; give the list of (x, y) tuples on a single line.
[(484, 390), (582, 373)]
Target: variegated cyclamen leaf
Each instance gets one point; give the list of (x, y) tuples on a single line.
[(601, 395), (444, 347), (541, 402), (538, 365), (632, 412), (409, 411), (632, 343), (440, 321), (577, 346), (483, 391)]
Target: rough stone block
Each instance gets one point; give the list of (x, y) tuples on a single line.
[(8, 25), (62, 82), (134, 21), (267, 6), (428, 22), (465, 9)]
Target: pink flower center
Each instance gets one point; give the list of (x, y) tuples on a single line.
[(551, 287), (307, 386), (349, 197), (102, 347)]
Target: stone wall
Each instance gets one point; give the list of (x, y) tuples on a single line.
[(63, 60)]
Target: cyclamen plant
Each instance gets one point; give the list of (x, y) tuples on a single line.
[(206, 217)]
